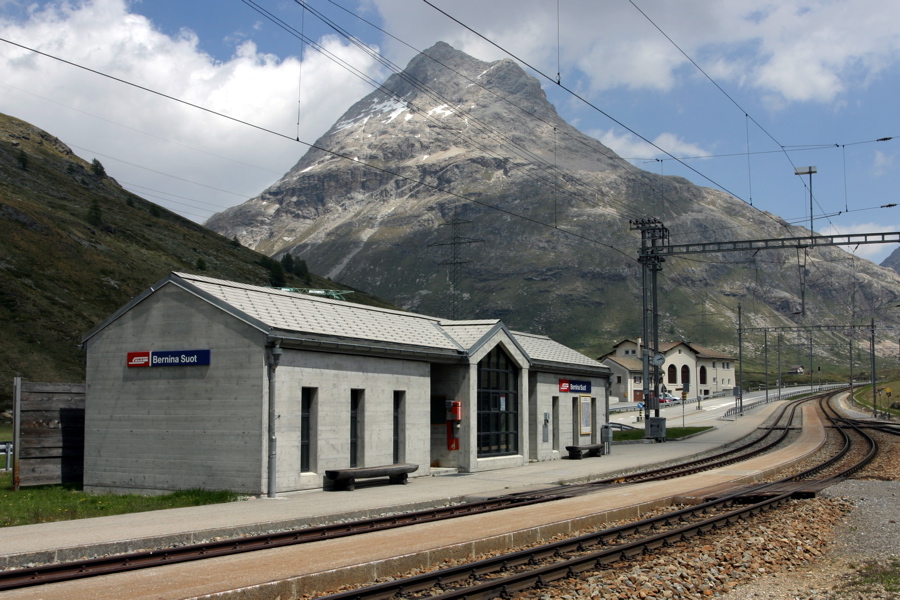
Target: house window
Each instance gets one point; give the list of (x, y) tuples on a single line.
[(673, 374), (685, 374), (618, 379), (703, 375), (498, 405)]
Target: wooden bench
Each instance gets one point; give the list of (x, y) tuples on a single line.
[(578, 452), (345, 479)]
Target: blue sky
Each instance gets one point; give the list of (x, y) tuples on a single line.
[(810, 82)]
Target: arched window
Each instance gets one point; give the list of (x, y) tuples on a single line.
[(703, 375), (685, 374), (498, 404), (673, 374)]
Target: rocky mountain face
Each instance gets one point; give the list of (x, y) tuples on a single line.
[(454, 148), (892, 261)]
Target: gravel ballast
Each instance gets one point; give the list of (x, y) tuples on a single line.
[(815, 549)]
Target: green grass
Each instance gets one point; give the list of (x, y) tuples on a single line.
[(672, 433), (6, 434), (863, 397), (44, 504), (872, 575)]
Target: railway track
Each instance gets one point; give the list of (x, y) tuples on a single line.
[(11, 579), (537, 567)]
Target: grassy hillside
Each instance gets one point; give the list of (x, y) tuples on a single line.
[(75, 246)]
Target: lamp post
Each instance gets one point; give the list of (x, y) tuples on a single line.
[(808, 171)]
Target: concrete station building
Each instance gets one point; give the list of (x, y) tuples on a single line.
[(184, 381)]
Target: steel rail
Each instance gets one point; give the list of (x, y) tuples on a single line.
[(58, 572), (541, 575), (51, 573), (720, 459)]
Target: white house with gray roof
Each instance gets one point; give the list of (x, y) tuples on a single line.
[(705, 371), (204, 383)]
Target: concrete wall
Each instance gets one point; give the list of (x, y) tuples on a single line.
[(452, 383), (563, 411), (158, 429), (333, 376)]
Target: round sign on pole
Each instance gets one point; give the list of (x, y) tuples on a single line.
[(659, 359)]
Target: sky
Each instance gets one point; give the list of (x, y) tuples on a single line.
[(741, 92)]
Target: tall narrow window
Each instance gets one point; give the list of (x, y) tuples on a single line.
[(555, 422), (685, 374), (307, 397), (399, 397), (498, 405), (356, 407)]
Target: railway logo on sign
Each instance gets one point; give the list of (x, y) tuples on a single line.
[(138, 359), (168, 358)]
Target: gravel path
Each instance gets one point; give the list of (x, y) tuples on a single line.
[(868, 536)]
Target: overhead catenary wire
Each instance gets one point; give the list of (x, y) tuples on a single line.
[(551, 180), (783, 148), (580, 98), (317, 147), (747, 116), (482, 128)]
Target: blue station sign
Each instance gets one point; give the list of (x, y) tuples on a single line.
[(168, 358), (571, 385)]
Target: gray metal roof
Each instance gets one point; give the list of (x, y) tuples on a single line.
[(347, 326), (301, 313), (544, 350)]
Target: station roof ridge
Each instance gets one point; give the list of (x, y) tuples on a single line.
[(311, 315), (305, 297), (326, 323)]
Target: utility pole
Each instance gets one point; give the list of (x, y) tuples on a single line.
[(654, 255), (806, 171), (740, 394), (653, 238), (780, 382), (810, 363), (872, 354), (766, 351)]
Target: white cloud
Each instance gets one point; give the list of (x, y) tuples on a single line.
[(178, 140), (629, 146), (795, 51)]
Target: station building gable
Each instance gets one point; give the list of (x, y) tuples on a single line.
[(352, 385)]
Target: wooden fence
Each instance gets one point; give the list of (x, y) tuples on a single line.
[(48, 433)]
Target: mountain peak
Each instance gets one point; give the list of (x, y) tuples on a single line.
[(477, 145)]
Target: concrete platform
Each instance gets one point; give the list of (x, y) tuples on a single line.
[(70, 540)]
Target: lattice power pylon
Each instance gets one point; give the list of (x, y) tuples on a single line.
[(456, 261)]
